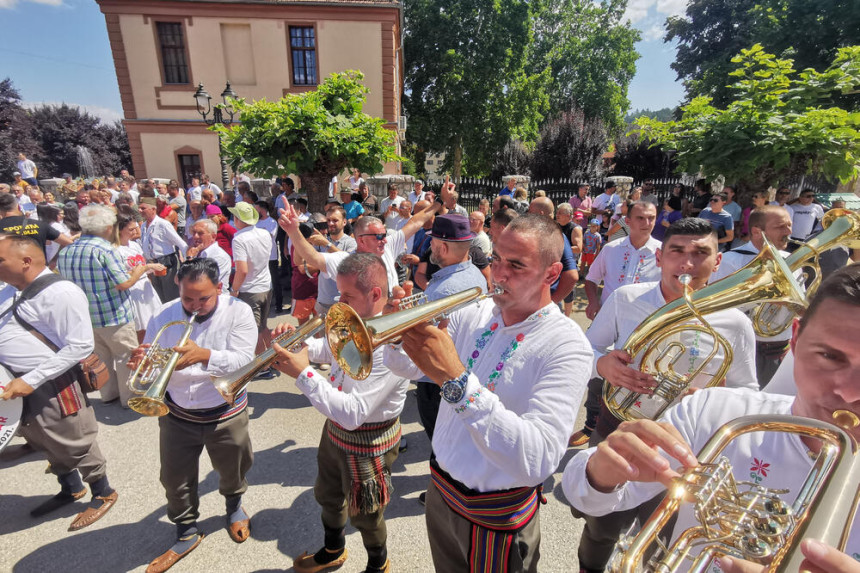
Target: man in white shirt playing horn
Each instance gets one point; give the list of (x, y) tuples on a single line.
[(513, 372), (689, 247), (360, 439), (222, 340), (635, 462)]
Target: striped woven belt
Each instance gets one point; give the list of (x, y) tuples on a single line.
[(211, 415)]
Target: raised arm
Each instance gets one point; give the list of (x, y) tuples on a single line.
[(289, 222)]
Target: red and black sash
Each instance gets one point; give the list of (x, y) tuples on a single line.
[(495, 517)]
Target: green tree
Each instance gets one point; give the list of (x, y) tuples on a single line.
[(570, 145), (314, 135), (637, 158), (468, 89), (591, 54), (780, 122), (713, 31), (15, 136)]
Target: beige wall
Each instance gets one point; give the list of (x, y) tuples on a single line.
[(341, 45), (159, 150)]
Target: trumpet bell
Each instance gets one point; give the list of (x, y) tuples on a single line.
[(147, 406), (350, 340)]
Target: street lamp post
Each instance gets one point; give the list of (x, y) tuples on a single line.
[(222, 114)]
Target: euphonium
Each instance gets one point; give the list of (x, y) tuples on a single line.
[(352, 339), (152, 374), (841, 228), (232, 384), (765, 278), (748, 521)]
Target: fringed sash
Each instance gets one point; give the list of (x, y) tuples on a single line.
[(370, 482), (495, 518)]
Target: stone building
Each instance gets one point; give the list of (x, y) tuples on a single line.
[(163, 49)]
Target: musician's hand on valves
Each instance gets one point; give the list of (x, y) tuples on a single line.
[(433, 351), (16, 388), (630, 453), (192, 354), (615, 368), (282, 328), (290, 363), (398, 293), (819, 558), (136, 356)]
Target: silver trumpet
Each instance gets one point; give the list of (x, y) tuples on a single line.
[(232, 384)]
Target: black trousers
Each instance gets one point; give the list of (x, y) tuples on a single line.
[(166, 287), (429, 397)]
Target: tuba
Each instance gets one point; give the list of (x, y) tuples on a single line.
[(841, 228), (232, 384), (352, 339), (766, 278), (153, 373), (748, 521)]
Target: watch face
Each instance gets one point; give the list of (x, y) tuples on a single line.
[(452, 391)]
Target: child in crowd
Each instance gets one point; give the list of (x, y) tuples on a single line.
[(591, 242)]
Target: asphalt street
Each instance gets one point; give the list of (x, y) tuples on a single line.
[(285, 431)]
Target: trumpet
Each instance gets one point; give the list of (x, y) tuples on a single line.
[(232, 384), (352, 339), (766, 278), (748, 521), (153, 373)]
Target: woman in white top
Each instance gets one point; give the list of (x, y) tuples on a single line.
[(355, 179), (144, 299), (53, 216)]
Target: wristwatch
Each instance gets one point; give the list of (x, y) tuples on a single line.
[(453, 390)]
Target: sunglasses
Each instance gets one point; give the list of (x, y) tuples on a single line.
[(716, 200), (782, 193), (379, 236)]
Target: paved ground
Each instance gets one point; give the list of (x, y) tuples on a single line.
[(285, 431)]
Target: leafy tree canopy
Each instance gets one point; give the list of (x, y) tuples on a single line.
[(713, 31), (15, 133), (468, 89), (571, 145), (780, 122), (664, 114), (591, 54), (314, 134)]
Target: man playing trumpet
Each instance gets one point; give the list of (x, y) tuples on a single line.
[(634, 463), (223, 335), (360, 439)]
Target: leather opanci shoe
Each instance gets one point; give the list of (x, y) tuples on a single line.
[(240, 530), (169, 558), (92, 514), (53, 503), (305, 563), (578, 439)]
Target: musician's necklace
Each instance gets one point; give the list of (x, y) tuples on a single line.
[(482, 341)]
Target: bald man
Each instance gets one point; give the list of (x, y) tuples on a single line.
[(45, 332), (569, 274)]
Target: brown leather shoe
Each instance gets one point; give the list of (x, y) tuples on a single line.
[(305, 563), (385, 568), (91, 515), (169, 558), (578, 439), (240, 530)]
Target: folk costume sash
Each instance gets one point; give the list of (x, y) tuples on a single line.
[(495, 517), (370, 483), (211, 415)]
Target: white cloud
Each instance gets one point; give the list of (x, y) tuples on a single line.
[(13, 3), (649, 16), (652, 32), (671, 7), (637, 10), (106, 114)]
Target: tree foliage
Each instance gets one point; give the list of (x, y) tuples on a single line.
[(591, 54), (780, 122), (468, 89), (571, 145), (638, 158), (713, 31), (514, 159), (15, 133), (314, 134), (50, 135)]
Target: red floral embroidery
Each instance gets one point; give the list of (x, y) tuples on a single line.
[(760, 467), (520, 337), (494, 326), (310, 374)]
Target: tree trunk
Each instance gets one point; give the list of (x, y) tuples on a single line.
[(458, 159), (315, 184)]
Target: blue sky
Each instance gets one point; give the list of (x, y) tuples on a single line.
[(58, 51)]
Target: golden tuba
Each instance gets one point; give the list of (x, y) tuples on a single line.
[(232, 384), (841, 228), (352, 339), (153, 373), (765, 278), (748, 521)]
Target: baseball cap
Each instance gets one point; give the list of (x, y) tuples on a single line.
[(245, 212), (594, 222)]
